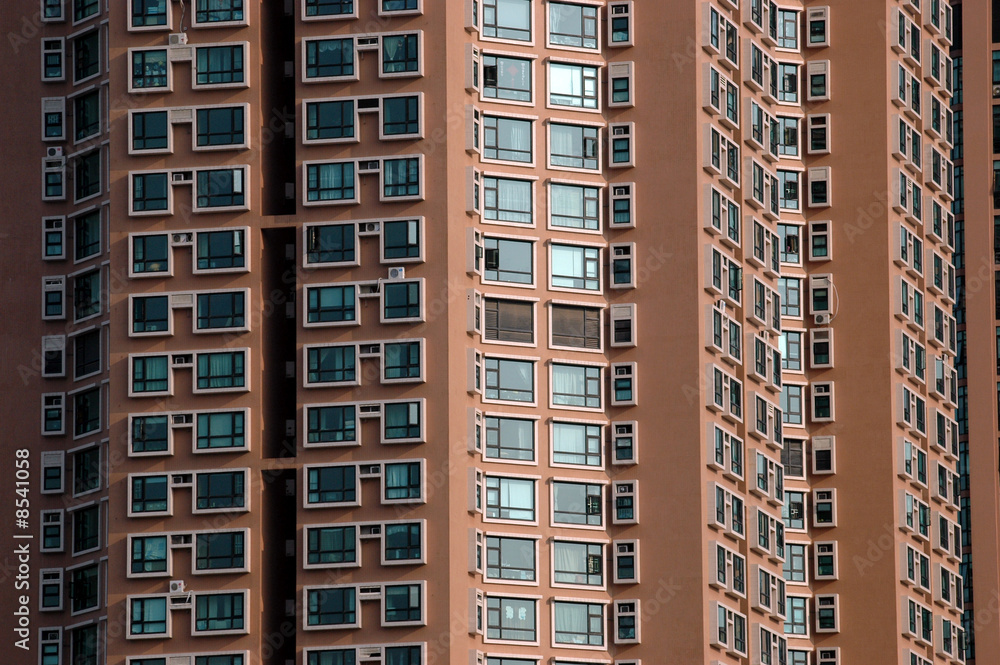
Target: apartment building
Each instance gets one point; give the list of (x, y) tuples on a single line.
[(498, 332)]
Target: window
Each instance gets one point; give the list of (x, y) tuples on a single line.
[(575, 267), (330, 120), (621, 84), (150, 494), (794, 510), (86, 529), (331, 545), (575, 326), (791, 404), (790, 344), (507, 19), (150, 69), (509, 261), (53, 119), (507, 200), (401, 300), (148, 616), (151, 374), (510, 558), (506, 78), (788, 197), (224, 489), (87, 235), (220, 126), (219, 250), (335, 606), (52, 60), (508, 321), (83, 9), (400, 116), (220, 430), (221, 310), (510, 380), (792, 456), (577, 503), (52, 472), (314, 8), (573, 85), (150, 254), (221, 370), (331, 424), (220, 188), (332, 484), (788, 136), (402, 542), (86, 412), (573, 146), (574, 206), (218, 612), (151, 314), (578, 563), (510, 498), (331, 364), (400, 54), (87, 470), (788, 29), (402, 482), (511, 619), (626, 562), (87, 175), (148, 554), (790, 290), (331, 243), (576, 386), (330, 304), (573, 25), (149, 434), (52, 10), (788, 75), (84, 591), (510, 438), (51, 595), (402, 603), (87, 115), (796, 622), (150, 192), (86, 55), (52, 531), (330, 182), (218, 11), (507, 139), (578, 623), (401, 361), (219, 65), (401, 421)]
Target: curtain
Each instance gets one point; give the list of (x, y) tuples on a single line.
[(565, 80), (516, 434), (568, 380), (571, 618), (567, 201), (397, 479), (513, 200), (569, 438), (566, 261), (567, 559), (519, 494), (514, 135), (566, 141), (565, 19)]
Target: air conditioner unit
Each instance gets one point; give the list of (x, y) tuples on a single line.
[(996, 91), (176, 586), (182, 360), (821, 319), (178, 39), (181, 177), (54, 151), (181, 419), (182, 238), (397, 273), (368, 227)]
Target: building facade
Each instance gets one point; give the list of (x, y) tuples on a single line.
[(556, 332)]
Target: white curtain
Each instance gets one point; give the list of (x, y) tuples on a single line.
[(569, 438), (567, 201), (569, 557), (568, 380), (566, 261), (571, 618), (514, 134), (518, 494), (566, 140), (514, 200), (565, 80)]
